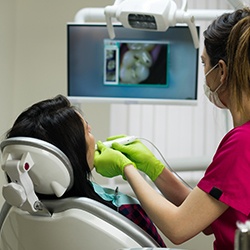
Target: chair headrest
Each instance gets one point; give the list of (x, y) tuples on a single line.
[(33, 166)]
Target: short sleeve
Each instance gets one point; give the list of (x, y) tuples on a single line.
[(227, 177)]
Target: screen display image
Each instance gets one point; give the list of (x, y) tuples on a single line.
[(133, 62), (137, 66)]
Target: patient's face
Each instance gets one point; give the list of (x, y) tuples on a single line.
[(90, 140)]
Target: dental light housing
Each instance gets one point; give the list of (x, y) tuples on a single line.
[(154, 15), (151, 15)]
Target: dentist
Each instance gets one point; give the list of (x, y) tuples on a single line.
[(222, 197)]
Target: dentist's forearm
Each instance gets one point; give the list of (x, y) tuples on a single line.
[(171, 187), (162, 212), (167, 216)]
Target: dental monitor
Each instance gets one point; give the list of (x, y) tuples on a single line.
[(136, 67)]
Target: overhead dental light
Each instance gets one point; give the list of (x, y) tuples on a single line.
[(151, 15)]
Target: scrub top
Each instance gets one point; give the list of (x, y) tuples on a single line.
[(228, 180)]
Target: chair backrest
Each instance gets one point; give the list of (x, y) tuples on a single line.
[(75, 223), (72, 223)]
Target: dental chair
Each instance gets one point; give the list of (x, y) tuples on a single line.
[(27, 223)]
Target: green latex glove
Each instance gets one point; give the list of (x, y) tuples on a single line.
[(144, 159), (109, 162), (111, 138)]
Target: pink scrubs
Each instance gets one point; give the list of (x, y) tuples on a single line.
[(228, 180)]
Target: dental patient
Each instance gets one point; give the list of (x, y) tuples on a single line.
[(57, 122)]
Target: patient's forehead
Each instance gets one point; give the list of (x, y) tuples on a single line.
[(85, 123), (80, 115)]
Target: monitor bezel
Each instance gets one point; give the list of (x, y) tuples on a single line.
[(128, 100)]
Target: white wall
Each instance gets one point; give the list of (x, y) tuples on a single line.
[(33, 67), (7, 64)]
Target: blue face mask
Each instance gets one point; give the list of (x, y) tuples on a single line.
[(213, 95)]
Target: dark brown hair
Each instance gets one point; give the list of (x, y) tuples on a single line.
[(227, 39), (57, 122)]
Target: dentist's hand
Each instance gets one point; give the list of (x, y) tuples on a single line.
[(109, 162), (144, 159)]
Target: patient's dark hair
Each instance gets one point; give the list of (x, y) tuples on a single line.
[(57, 122)]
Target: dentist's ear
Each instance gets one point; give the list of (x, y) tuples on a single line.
[(223, 71)]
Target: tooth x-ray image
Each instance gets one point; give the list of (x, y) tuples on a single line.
[(135, 62)]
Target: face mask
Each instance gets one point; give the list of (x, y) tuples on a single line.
[(213, 95)]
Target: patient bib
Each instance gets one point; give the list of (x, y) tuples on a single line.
[(130, 208), (118, 199)]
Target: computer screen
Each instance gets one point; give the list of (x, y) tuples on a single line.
[(136, 67)]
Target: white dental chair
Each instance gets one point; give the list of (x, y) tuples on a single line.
[(62, 224)]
